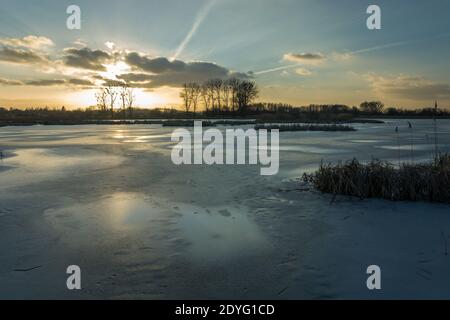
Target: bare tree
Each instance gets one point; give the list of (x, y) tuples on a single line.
[(127, 99), (130, 100), (191, 95), (186, 96), (233, 85), (217, 85), (210, 92), (205, 96), (112, 93), (102, 99), (226, 89), (123, 97), (195, 93)]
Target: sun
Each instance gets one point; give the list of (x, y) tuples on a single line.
[(114, 70), (143, 98)]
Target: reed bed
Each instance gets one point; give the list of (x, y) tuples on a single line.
[(305, 127), (186, 123), (380, 179)]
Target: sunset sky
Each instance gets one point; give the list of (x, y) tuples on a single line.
[(297, 51)]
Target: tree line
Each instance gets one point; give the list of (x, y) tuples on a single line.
[(113, 98)]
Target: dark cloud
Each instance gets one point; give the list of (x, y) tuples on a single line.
[(136, 77), (80, 82), (114, 83), (59, 82), (86, 58), (45, 83), (153, 65), (21, 56), (159, 72)]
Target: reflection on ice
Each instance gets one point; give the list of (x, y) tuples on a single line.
[(308, 149), (219, 233), (415, 147), (33, 165), (119, 212)]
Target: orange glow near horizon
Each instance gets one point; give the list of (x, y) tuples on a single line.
[(143, 99)]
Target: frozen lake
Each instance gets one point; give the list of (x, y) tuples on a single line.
[(109, 199)]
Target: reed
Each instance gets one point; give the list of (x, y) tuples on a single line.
[(380, 179)]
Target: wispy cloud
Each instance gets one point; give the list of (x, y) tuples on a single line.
[(29, 42), (399, 44), (303, 72), (384, 46), (276, 69), (317, 58), (300, 59), (203, 13), (7, 82)]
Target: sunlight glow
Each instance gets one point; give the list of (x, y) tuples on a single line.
[(113, 70)]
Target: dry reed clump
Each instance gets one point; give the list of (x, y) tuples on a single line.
[(305, 127), (380, 179)]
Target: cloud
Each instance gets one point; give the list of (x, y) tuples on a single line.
[(80, 82), (29, 42), (80, 43), (311, 59), (45, 83), (110, 45), (153, 65), (86, 58), (21, 56), (7, 82), (336, 56), (409, 87), (84, 66), (136, 77), (59, 82), (305, 58), (303, 72), (160, 71)]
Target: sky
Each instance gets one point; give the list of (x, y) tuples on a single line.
[(297, 51)]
